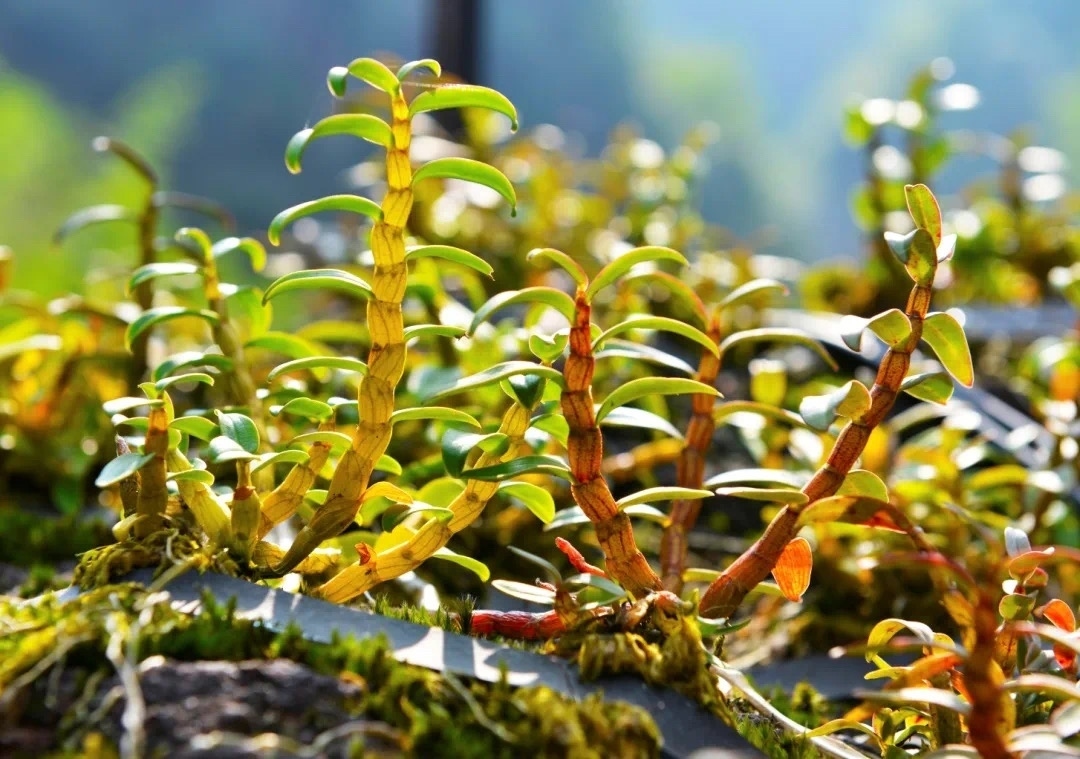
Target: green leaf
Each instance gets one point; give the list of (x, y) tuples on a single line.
[(248, 245), (200, 476), (535, 498), (434, 413), (223, 449), (553, 424), (850, 401), (1015, 606), (451, 254), (917, 252), (309, 408), (350, 203), (628, 260), (247, 313), (548, 349), (495, 374), (288, 456), (167, 382), (860, 482), (536, 464), (367, 70), (161, 269), (547, 296), (777, 335), (935, 387), (152, 317), (659, 323), (336, 440), (924, 210), (523, 592), (753, 290), (464, 96), (120, 405), (526, 389), (393, 518), (456, 446), (342, 363), (240, 429), (196, 426), (648, 386), (430, 64), (468, 170), (194, 243), (420, 331), (319, 279), (652, 495), (478, 568), (563, 261), (681, 292), (944, 334), (121, 468), (614, 347), (770, 495), (88, 217), (189, 359), (596, 590), (362, 125), (917, 697), (892, 326), (852, 509), (793, 480), (636, 418), (285, 344), (567, 518), (726, 410)]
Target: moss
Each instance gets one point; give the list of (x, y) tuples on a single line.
[(436, 714), (29, 539)]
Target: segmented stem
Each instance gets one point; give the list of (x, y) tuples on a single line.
[(286, 498), (153, 496), (386, 357), (690, 468), (725, 594), (375, 568), (585, 449)]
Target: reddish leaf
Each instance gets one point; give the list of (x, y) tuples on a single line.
[(884, 521), (1059, 614), (792, 570)]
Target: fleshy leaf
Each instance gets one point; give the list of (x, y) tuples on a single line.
[(548, 296), (240, 429), (626, 349), (478, 568), (563, 261), (860, 482), (451, 254), (636, 418), (464, 96), (152, 317), (769, 495), (189, 359), (160, 269), (350, 203), (285, 343), (924, 209), (535, 498), (652, 495), (537, 464), (342, 363), (647, 386), (892, 326), (1060, 614), (917, 252), (362, 125), (523, 592), (436, 413), (943, 333), (196, 426), (251, 247), (288, 456), (468, 170), (201, 476), (850, 402), (309, 408), (792, 570), (495, 374), (367, 70), (628, 260), (121, 468), (934, 387), (777, 335), (167, 382), (753, 290), (319, 279), (430, 64), (658, 323)]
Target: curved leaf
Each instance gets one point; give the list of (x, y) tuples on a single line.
[(196, 426), (860, 482), (188, 359), (305, 407), (430, 64), (752, 290), (547, 296), (770, 495), (362, 125), (682, 292), (435, 413), (197, 204), (120, 405), (535, 498), (613, 347), (529, 593), (777, 335), (161, 269), (935, 387), (318, 279), (223, 449), (731, 408), (367, 70), (121, 468), (646, 386), (167, 382), (336, 440), (916, 251), (286, 344), (200, 476), (563, 261), (892, 326), (247, 245), (478, 568), (152, 317), (342, 363), (637, 418), (792, 569), (432, 330), (850, 401), (661, 323), (495, 374), (350, 203), (794, 480), (924, 209), (468, 170), (628, 260), (536, 464), (652, 495), (288, 456), (87, 217), (240, 429), (943, 333), (464, 96), (851, 509), (451, 254)]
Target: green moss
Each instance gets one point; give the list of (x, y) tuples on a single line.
[(29, 539)]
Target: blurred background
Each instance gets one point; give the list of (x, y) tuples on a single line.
[(211, 91)]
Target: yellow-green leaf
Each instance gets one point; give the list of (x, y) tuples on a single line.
[(563, 261), (662, 323), (362, 125), (464, 96), (935, 387), (319, 279), (367, 70), (468, 170), (152, 317), (628, 260), (777, 335), (924, 210), (647, 386), (343, 363), (944, 334), (451, 254), (547, 296), (350, 203), (850, 402)]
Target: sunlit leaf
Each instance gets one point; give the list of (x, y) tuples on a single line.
[(420, 331), (190, 359), (434, 413), (628, 260), (536, 464), (769, 495), (547, 296), (529, 593), (160, 269), (850, 401), (286, 344), (240, 429), (427, 63), (468, 170), (494, 374), (933, 387), (751, 291), (200, 476), (463, 96), (251, 247), (1060, 614), (451, 254), (892, 326), (120, 405), (924, 209), (916, 251), (362, 125), (649, 386), (563, 261), (196, 426), (167, 382), (152, 317), (121, 468), (777, 335), (342, 363), (860, 482), (636, 418), (319, 279), (349, 203), (794, 480), (852, 509), (309, 408), (661, 323), (535, 498), (652, 495), (288, 456), (917, 696), (87, 217), (792, 569), (478, 568), (367, 70), (223, 449), (626, 349), (457, 445), (944, 334)]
